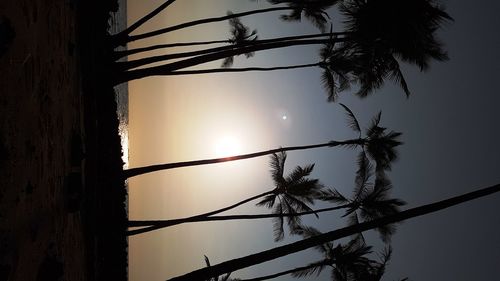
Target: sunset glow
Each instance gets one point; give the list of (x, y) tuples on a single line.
[(227, 145)]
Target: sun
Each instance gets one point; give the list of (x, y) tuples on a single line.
[(227, 146)]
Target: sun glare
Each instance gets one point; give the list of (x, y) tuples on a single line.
[(227, 146)]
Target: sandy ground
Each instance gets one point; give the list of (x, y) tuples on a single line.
[(40, 112)]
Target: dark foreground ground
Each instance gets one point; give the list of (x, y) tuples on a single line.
[(62, 214)]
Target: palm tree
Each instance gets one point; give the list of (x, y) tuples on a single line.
[(120, 38), (150, 225), (313, 10), (240, 35), (291, 194), (344, 260), (384, 31), (121, 53), (378, 34), (239, 263), (379, 145), (370, 200), (289, 198)]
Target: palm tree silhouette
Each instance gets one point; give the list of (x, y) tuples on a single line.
[(379, 144), (239, 263), (345, 261), (240, 35), (381, 147), (291, 194), (384, 31), (370, 46), (370, 199), (289, 199), (313, 10), (117, 54), (150, 225)]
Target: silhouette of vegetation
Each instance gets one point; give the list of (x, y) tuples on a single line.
[(379, 144), (378, 36), (313, 10), (366, 53), (291, 193), (289, 198), (320, 239)]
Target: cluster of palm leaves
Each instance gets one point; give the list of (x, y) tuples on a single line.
[(291, 195), (348, 261), (295, 192), (377, 35)]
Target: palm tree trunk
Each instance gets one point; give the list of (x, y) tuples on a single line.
[(250, 260), (271, 276), (246, 69), (151, 225), (119, 54), (121, 38), (123, 66), (132, 172), (201, 217), (166, 68), (202, 21)]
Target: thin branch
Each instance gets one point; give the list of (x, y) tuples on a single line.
[(254, 259), (158, 224)]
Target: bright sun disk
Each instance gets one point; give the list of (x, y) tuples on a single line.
[(227, 146)]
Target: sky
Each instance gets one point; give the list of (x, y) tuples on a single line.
[(450, 133)]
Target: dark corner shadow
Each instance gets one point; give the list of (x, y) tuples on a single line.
[(7, 34)]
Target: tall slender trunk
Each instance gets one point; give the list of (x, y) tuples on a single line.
[(202, 21), (119, 54), (297, 269), (122, 37), (151, 225), (122, 66), (132, 172), (200, 217), (166, 68), (246, 69), (250, 260)]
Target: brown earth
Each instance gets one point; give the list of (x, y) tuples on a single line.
[(61, 197)]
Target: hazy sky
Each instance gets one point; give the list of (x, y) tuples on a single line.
[(451, 135)]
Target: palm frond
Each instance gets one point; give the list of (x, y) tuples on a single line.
[(293, 222), (311, 269), (386, 232), (308, 232), (313, 10), (299, 173), (297, 204), (277, 164), (353, 219), (352, 121), (278, 229), (227, 62), (328, 82), (396, 75), (268, 201), (334, 196), (363, 175)]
